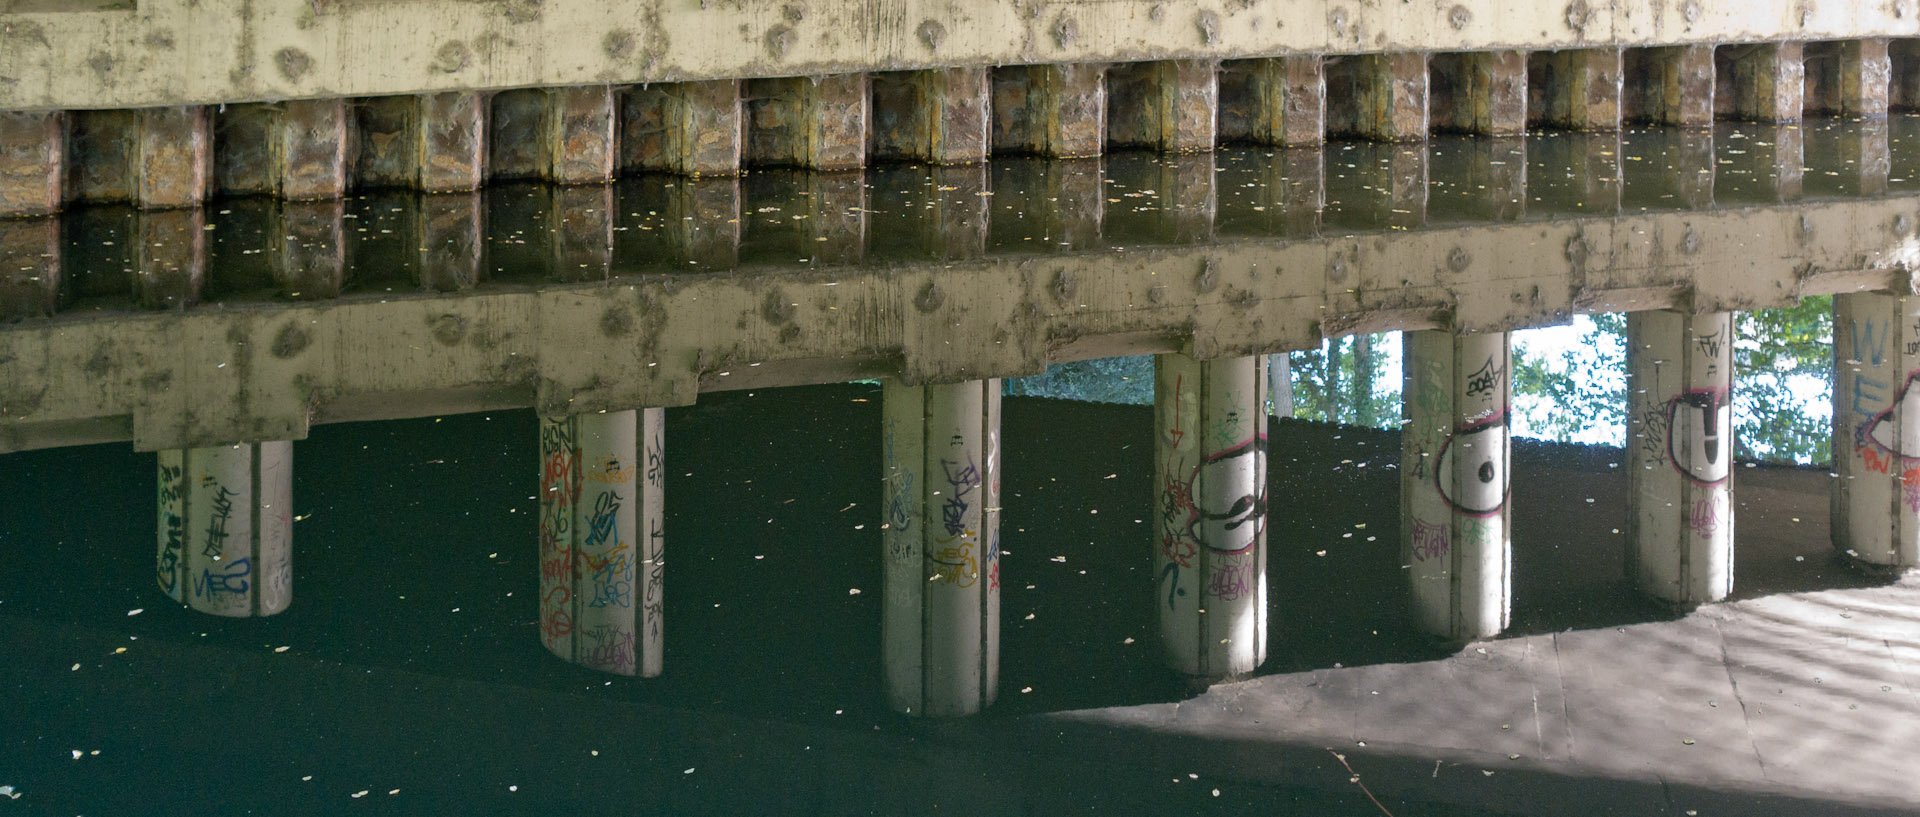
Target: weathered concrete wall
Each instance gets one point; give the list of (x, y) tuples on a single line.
[(173, 52), (267, 370)]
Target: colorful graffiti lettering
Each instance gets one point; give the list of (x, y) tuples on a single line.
[(235, 579), (1430, 541), (1233, 578), (1705, 517)]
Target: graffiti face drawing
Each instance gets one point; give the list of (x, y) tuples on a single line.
[(1230, 509), (1475, 459), (1699, 437), (1884, 429)]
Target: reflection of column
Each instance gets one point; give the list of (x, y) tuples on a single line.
[(1480, 92), (29, 268), (170, 261), (1305, 173), (1210, 554), (940, 585), (448, 227), (1876, 428), (582, 227), (942, 212), (1046, 205), (1679, 478), (1167, 105), (835, 230), (1162, 199), (702, 221), (602, 557), (226, 528), (1493, 184), (1681, 163), (312, 252), (1387, 187), (1454, 478), (1050, 110), (812, 122)]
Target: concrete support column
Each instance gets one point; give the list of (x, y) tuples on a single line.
[(312, 149), (226, 528), (1058, 111), (938, 116), (1848, 78), (172, 158), (1671, 86), (1167, 105), (1876, 428), (33, 169), (1379, 96), (448, 142), (1210, 464), (1680, 455), (602, 552), (1768, 80), (1454, 482), (1279, 101), (1577, 89), (812, 122), (1480, 92), (29, 268), (582, 123), (689, 128), (940, 585), (448, 226)]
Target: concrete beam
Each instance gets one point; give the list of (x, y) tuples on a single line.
[(294, 49), (263, 368)]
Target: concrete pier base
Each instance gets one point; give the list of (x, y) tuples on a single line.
[(1280, 101), (1480, 92), (602, 551), (689, 128), (940, 584), (1671, 86), (1578, 89), (1166, 105), (33, 147), (1058, 111), (1848, 78), (1876, 429), (1764, 82), (1382, 97), (939, 117), (1454, 483), (1210, 534), (1680, 454), (226, 528), (818, 123), (430, 142)]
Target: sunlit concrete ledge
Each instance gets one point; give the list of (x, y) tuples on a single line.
[(85, 54), (237, 372)]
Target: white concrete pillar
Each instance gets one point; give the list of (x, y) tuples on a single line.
[(940, 586), (1454, 482), (1679, 456), (1210, 554), (602, 557), (1876, 428), (226, 528)]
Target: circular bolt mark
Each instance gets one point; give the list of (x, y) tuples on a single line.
[(776, 308), (616, 322), (618, 44), (1690, 11), (289, 341), (779, 41), (1690, 243), (1209, 25), (932, 34), (1578, 15), (1065, 31), (1459, 260), (449, 330), (293, 63), (1063, 287), (451, 57), (1459, 17), (929, 299)]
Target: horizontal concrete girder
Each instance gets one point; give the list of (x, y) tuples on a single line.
[(173, 52), (262, 370)]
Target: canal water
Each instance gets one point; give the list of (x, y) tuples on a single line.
[(408, 677)]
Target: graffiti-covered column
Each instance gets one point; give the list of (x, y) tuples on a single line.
[(226, 528), (602, 555), (1210, 553), (1454, 482), (1876, 428), (1679, 477), (940, 586)]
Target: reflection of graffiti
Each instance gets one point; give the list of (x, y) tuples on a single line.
[(610, 649), (1482, 446), (559, 467), (957, 566), (234, 580), (1429, 541), (656, 577), (962, 478), (1226, 516), (217, 522), (1233, 578), (176, 529)]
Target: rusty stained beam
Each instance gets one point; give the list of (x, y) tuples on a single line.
[(262, 371)]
